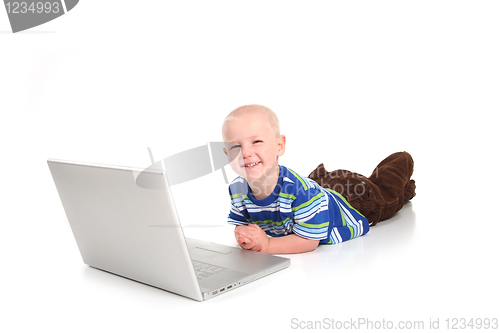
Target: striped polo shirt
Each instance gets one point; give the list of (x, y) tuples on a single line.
[(298, 205)]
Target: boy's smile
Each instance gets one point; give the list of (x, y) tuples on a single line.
[(251, 165)]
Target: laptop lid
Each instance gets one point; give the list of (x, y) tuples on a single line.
[(125, 222)]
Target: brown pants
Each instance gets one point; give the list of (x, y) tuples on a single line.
[(379, 196)]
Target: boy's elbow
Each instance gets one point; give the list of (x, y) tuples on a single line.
[(311, 245)]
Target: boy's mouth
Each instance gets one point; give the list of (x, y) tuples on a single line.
[(251, 165)]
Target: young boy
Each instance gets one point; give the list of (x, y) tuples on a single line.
[(270, 199)]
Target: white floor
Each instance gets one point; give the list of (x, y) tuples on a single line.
[(422, 265), (351, 83)]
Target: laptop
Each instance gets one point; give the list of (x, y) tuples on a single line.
[(131, 229)]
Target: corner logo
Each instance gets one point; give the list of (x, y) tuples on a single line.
[(24, 15)]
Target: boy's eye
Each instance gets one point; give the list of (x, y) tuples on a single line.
[(257, 141), (233, 147)]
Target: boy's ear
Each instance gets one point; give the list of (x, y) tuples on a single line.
[(225, 151), (281, 145)]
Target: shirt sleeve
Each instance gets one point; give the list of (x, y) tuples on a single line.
[(311, 216), (236, 215)]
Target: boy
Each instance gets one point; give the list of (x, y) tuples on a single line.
[(270, 199)]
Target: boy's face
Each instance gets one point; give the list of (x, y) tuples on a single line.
[(253, 148)]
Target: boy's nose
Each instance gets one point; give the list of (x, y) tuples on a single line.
[(246, 151)]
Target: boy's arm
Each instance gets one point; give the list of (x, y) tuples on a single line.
[(253, 238), (291, 244)]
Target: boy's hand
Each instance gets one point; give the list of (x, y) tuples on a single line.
[(251, 237)]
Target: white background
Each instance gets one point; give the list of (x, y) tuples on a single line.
[(352, 82)]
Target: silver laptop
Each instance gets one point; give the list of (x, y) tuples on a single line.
[(134, 231)]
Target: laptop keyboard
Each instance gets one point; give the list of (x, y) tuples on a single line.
[(204, 270)]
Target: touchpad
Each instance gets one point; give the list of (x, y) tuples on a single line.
[(214, 250), (207, 249), (200, 253)]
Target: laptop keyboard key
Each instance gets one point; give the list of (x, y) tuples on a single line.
[(204, 270)]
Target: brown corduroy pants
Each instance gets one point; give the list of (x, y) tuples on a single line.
[(379, 196)]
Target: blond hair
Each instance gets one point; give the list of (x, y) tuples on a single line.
[(252, 110)]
